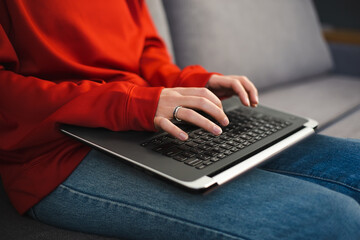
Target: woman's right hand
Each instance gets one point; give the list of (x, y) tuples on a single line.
[(189, 98)]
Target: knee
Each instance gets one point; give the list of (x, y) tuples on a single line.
[(336, 216)]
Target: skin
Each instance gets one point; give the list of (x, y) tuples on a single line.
[(204, 99)]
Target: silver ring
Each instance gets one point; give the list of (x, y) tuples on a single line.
[(175, 113)]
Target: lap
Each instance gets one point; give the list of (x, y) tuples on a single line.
[(105, 196), (327, 161)]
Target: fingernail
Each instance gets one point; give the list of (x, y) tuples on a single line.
[(257, 99), (183, 136), (217, 130), (247, 102), (225, 122)]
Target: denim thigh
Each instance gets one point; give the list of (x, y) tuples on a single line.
[(327, 161), (107, 197)]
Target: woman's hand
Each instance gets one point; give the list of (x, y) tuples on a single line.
[(189, 98), (202, 99), (226, 86)]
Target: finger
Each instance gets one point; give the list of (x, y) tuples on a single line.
[(241, 92), (231, 85), (200, 92), (195, 118), (166, 125), (251, 90), (206, 106)]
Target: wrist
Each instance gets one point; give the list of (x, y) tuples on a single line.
[(142, 107)]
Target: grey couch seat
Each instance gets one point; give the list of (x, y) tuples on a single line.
[(14, 226), (324, 98), (341, 129)]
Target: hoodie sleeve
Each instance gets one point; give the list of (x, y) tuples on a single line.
[(31, 108)]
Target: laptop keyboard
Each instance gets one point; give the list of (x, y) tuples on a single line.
[(203, 148)]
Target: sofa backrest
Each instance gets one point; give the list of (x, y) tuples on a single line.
[(268, 41)]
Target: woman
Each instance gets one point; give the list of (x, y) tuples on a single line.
[(103, 65)]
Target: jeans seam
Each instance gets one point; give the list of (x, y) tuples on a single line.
[(315, 177), (151, 212)]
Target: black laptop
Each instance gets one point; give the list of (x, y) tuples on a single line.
[(204, 161)]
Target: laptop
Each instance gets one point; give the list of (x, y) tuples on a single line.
[(204, 161)]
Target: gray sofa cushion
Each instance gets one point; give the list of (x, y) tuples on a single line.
[(13, 226), (348, 127), (322, 98), (269, 41)]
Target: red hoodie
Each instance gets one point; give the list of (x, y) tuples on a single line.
[(88, 63)]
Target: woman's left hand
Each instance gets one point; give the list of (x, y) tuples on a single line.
[(227, 86)]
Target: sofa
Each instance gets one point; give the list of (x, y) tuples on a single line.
[(278, 44)]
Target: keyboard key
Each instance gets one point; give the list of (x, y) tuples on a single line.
[(178, 142), (203, 156), (191, 144), (200, 132), (234, 149), (204, 147), (245, 137), (193, 161), (196, 150), (225, 146), (231, 143), (206, 138), (199, 141), (200, 166), (172, 151), (211, 144), (239, 140), (224, 137), (211, 153), (188, 154), (232, 135), (207, 163), (180, 158), (218, 141), (184, 148), (193, 135), (218, 149), (228, 152)]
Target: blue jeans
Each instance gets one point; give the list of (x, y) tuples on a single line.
[(107, 197)]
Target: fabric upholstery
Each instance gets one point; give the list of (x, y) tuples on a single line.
[(13, 226), (322, 98), (268, 41), (348, 127)]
